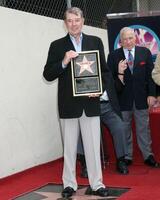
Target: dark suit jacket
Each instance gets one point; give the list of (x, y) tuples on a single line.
[(69, 106), (137, 87)]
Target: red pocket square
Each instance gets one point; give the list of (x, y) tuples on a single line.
[(142, 63)]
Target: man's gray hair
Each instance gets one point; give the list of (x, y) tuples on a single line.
[(73, 10), (125, 29)]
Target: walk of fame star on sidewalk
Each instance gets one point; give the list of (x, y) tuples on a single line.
[(79, 195), (53, 192)]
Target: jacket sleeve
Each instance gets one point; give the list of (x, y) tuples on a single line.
[(106, 72), (53, 68), (114, 69)]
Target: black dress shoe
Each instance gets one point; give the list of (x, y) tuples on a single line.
[(128, 161), (67, 192), (102, 192), (150, 161), (122, 167)]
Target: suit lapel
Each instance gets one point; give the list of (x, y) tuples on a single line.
[(85, 44), (136, 56), (68, 44), (122, 57)]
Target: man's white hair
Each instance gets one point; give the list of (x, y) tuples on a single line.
[(125, 29)]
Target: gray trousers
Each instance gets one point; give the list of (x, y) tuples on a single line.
[(116, 127), (141, 118), (90, 131)]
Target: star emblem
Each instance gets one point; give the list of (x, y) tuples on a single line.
[(79, 195), (85, 65)]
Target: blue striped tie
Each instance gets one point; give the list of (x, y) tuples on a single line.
[(130, 61)]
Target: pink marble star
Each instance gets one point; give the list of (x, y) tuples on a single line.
[(50, 195), (79, 195), (85, 65)]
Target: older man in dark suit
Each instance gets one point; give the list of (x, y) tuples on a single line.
[(77, 113), (131, 67)]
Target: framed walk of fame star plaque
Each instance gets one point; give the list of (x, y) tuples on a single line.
[(86, 74)]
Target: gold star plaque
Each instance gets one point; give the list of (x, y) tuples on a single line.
[(86, 74)]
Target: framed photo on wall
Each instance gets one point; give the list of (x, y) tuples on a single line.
[(86, 74)]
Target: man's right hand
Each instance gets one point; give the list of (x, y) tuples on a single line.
[(68, 56), (122, 65)]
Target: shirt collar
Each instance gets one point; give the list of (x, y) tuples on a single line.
[(73, 38), (132, 50)]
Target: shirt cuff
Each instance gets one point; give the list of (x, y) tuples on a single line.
[(63, 65)]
